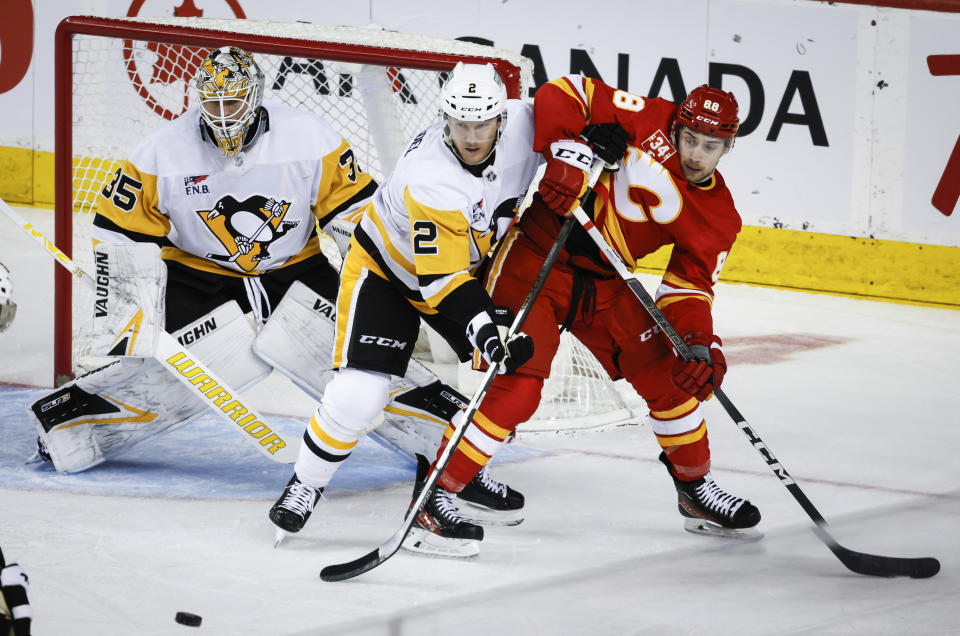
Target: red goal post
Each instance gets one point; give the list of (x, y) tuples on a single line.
[(117, 79)]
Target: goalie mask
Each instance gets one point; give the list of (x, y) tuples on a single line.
[(473, 111), (229, 87)]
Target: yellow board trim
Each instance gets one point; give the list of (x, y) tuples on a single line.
[(874, 269)]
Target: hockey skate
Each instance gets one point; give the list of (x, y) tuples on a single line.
[(439, 529), (293, 508), (708, 510), (486, 500)]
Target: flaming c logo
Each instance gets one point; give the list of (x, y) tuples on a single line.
[(174, 64)]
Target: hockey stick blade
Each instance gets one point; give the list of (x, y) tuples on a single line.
[(344, 571), (859, 562), (876, 565)]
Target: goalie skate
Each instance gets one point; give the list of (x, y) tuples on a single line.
[(294, 507), (708, 510), (485, 500), (439, 529)]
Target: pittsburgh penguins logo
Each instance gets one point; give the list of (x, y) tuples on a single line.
[(246, 228)]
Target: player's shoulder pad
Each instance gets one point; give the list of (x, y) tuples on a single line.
[(301, 130), (442, 194), (175, 145), (519, 115), (729, 209)]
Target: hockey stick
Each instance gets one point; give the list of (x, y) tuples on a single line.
[(342, 571), (226, 403), (859, 562)]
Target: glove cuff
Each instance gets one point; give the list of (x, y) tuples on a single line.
[(476, 324), (572, 153)]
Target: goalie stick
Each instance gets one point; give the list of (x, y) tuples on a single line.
[(859, 562), (180, 362), (343, 571)]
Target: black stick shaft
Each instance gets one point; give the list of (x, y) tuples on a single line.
[(859, 562)]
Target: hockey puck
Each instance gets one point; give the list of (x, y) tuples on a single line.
[(186, 618)]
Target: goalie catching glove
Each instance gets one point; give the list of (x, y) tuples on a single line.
[(486, 332), (704, 371)]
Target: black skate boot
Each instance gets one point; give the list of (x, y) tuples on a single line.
[(707, 509), (486, 500), (293, 508), (39, 455), (439, 529)]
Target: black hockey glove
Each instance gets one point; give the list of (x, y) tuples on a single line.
[(608, 141), (484, 331)]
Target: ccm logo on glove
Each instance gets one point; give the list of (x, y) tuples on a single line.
[(486, 331)]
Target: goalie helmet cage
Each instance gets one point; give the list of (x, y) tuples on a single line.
[(117, 79)]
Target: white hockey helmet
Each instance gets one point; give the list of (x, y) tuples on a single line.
[(229, 87), (8, 308), (473, 92)]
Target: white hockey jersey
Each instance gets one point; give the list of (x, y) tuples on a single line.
[(234, 216), (432, 221)]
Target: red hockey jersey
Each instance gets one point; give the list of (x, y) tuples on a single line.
[(646, 204)]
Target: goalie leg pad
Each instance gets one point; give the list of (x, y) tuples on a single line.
[(112, 409), (298, 339), (416, 417), (414, 420)]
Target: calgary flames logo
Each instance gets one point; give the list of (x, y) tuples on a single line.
[(161, 73)]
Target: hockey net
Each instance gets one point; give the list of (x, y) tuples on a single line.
[(119, 79)]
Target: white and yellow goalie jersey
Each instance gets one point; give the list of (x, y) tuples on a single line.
[(433, 221), (227, 216)]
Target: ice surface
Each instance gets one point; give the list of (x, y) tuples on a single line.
[(858, 400)]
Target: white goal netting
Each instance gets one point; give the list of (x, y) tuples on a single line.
[(378, 88)]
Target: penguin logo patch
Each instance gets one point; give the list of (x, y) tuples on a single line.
[(247, 228)]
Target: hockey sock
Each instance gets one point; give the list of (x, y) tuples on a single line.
[(511, 399), (690, 461)]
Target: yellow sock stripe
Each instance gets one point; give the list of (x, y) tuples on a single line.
[(473, 453), (487, 426), (676, 412), (326, 439), (681, 440)]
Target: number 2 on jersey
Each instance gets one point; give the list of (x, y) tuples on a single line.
[(424, 237)]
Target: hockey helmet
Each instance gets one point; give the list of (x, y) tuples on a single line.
[(229, 87), (711, 111), (473, 92)]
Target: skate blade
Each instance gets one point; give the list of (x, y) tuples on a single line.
[(487, 516), (425, 542), (278, 537), (36, 458), (702, 526)]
